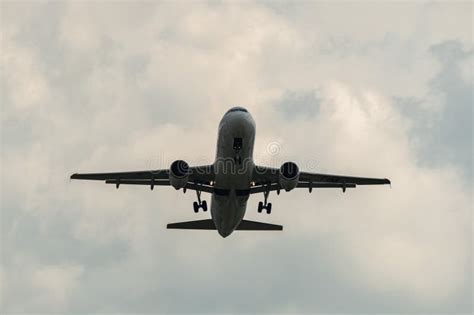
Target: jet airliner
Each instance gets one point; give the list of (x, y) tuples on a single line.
[(231, 179)]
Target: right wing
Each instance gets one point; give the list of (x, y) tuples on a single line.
[(200, 178), (339, 179)]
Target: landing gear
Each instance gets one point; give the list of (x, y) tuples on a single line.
[(265, 205), (196, 207), (269, 208), (199, 203)]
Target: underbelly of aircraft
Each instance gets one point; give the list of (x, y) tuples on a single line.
[(227, 212), (233, 167)]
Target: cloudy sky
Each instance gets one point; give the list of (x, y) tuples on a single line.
[(372, 89)]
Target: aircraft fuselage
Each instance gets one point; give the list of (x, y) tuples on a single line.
[(234, 166)]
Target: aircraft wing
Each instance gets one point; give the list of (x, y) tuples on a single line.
[(137, 175), (326, 178), (200, 177), (267, 179)]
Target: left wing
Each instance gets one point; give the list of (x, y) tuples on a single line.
[(267, 179), (138, 175)]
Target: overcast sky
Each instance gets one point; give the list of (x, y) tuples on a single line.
[(382, 90)]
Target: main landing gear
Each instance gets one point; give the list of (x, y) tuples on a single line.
[(199, 204), (265, 205)]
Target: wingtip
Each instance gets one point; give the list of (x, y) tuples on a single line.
[(73, 176)]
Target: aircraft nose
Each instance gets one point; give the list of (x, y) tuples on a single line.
[(239, 122), (237, 109)]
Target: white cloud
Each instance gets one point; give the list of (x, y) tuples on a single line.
[(54, 285), (26, 85)]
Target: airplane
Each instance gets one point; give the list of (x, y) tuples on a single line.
[(231, 179)]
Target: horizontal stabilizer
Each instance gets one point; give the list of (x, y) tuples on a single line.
[(209, 225), (258, 226), (193, 225)]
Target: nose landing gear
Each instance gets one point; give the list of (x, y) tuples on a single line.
[(265, 205), (199, 204)]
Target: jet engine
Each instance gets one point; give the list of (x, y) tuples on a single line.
[(289, 175), (179, 173)]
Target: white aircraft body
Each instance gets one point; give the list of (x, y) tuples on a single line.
[(231, 179)]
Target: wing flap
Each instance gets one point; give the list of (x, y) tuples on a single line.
[(138, 182), (189, 185), (273, 187)]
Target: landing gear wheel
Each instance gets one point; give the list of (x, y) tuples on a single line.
[(260, 207), (198, 204), (269, 208), (196, 207)]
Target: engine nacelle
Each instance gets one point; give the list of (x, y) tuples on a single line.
[(289, 175), (179, 174)]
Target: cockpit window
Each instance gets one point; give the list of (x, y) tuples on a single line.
[(237, 109)]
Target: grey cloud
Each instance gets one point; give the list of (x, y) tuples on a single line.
[(303, 105), (345, 46), (455, 127), (54, 243), (444, 136)]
